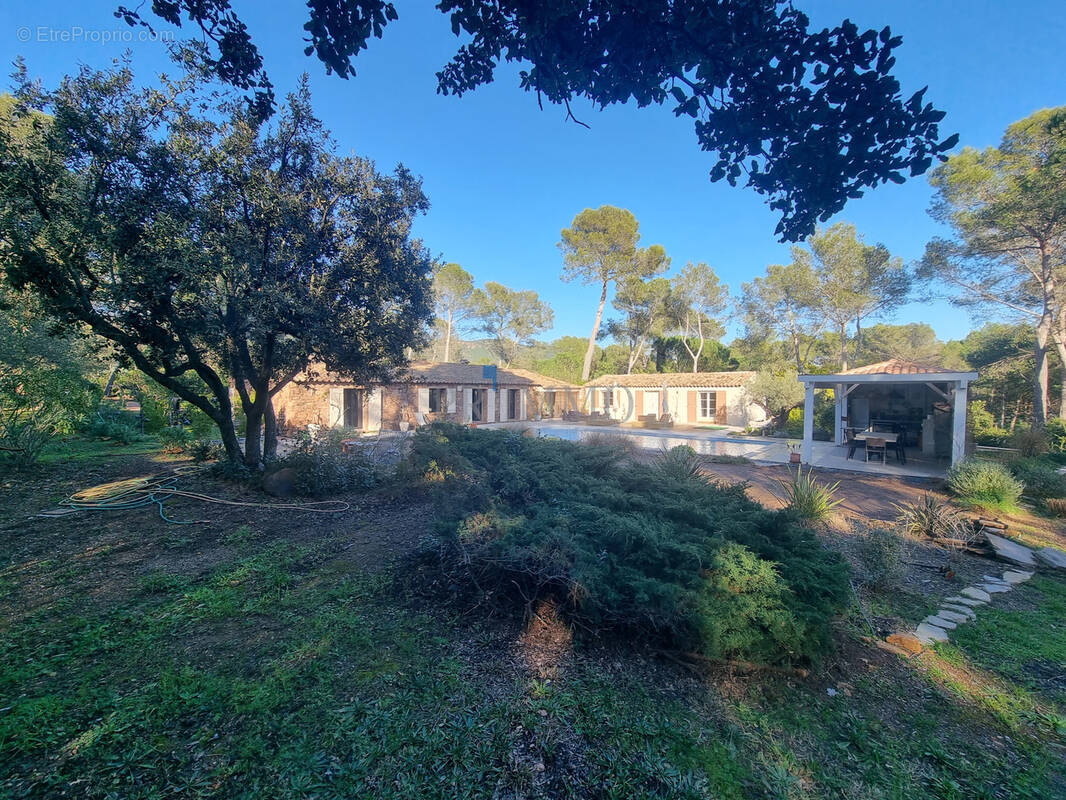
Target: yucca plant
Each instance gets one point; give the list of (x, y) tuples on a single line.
[(680, 463), (809, 499), (931, 518)]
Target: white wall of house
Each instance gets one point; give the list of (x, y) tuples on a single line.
[(373, 410)]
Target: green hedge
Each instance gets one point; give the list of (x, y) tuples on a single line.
[(628, 546)]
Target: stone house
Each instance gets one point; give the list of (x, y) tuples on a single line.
[(424, 392)]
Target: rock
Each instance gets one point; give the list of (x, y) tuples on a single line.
[(995, 588), (994, 579), (965, 611), (1014, 577), (976, 594), (965, 601), (955, 616), (940, 622), (926, 633), (1006, 550), (905, 641), (1052, 557), (281, 483)]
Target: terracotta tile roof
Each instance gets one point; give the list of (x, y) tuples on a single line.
[(716, 380), (453, 374), (542, 380), (896, 366)]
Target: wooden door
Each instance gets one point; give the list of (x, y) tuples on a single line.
[(353, 408)]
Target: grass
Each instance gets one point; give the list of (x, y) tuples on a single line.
[(78, 449), (281, 669)]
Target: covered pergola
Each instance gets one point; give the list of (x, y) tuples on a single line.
[(894, 392)]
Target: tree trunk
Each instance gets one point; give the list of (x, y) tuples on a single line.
[(270, 433), (448, 339), (796, 350), (1040, 374), (586, 369), (844, 347)]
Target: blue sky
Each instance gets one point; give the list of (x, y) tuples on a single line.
[(504, 177)]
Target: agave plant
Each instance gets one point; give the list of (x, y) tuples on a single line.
[(931, 518), (680, 463), (809, 499)]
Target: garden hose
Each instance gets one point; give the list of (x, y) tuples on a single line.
[(134, 493)]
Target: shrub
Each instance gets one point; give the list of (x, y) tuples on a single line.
[(115, 426), (625, 545), (1029, 442), (201, 450), (174, 439), (323, 468), (23, 439), (983, 425), (882, 551), (987, 484), (679, 463), (807, 498), (929, 518), (1039, 476), (1056, 435)]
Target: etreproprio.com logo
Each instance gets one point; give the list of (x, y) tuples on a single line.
[(76, 34)]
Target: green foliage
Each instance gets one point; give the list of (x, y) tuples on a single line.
[(984, 483), (680, 463), (200, 194), (777, 393), (882, 552), (1029, 441), (322, 468), (1055, 429), (620, 544), (511, 317), (809, 499), (203, 450), (931, 518), (742, 610), (983, 425), (118, 426), (174, 439), (1040, 476)]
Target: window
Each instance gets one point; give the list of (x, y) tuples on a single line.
[(438, 400), (477, 405), (708, 405), (513, 404), (608, 398)]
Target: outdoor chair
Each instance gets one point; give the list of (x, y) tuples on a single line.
[(852, 443), (876, 447)]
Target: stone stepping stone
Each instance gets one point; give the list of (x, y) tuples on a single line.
[(976, 593), (994, 579), (965, 601), (995, 588), (1052, 557), (1014, 577), (926, 633), (1015, 553), (956, 614), (940, 622)]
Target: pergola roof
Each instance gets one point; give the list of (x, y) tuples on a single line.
[(895, 370)]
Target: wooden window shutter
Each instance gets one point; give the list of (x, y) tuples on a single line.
[(720, 408), (693, 407)]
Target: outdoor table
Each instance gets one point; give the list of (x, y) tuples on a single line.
[(889, 439)]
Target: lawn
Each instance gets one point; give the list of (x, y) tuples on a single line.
[(273, 654)]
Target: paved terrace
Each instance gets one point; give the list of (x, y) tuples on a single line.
[(727, 441)]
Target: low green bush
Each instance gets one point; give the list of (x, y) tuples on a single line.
[(1055, 429), (625, 545), (987, 484), (680, 463), (203, 450), (115, 426), (1029, 442), (174, 439), (323, 468), (932, 518), (883, 552), (807, 498), (1040, 477)]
